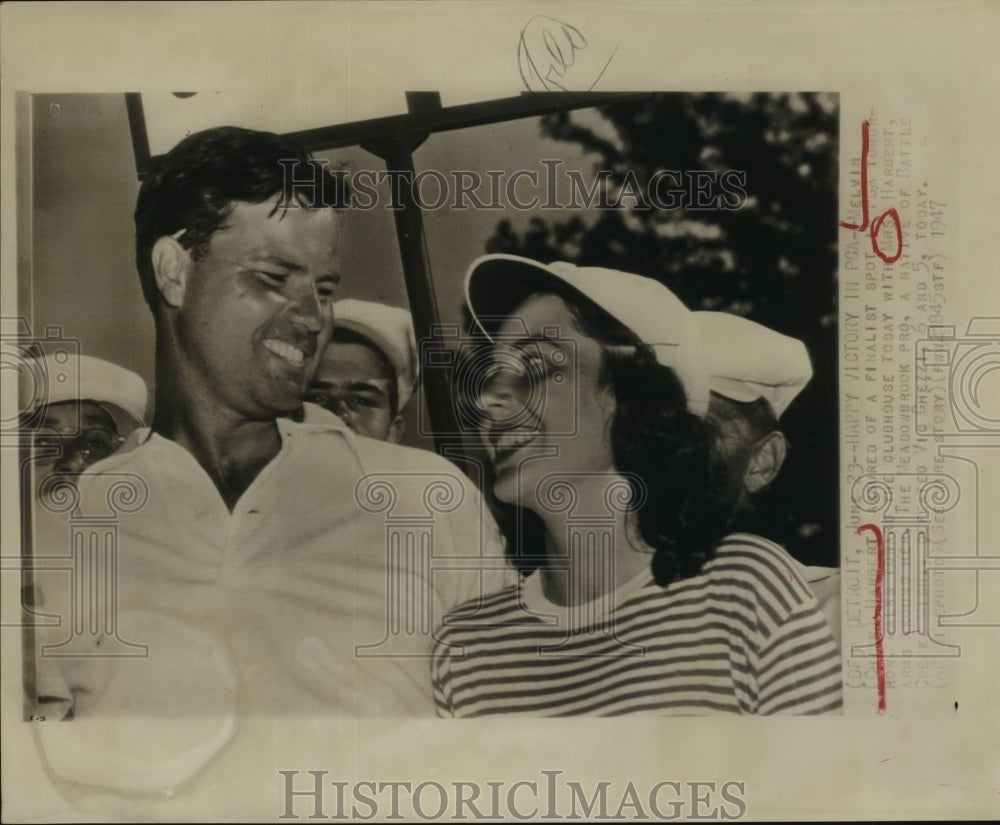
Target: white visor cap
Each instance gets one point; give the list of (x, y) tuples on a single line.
[(652, 312), (747, 360), (85, 378)]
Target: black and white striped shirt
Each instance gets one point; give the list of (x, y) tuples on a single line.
[(743, 636)]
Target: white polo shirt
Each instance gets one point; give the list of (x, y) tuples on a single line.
[(315, 597)]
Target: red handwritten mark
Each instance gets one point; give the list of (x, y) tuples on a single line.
[(876, 225), (885, 760), (879, 631)]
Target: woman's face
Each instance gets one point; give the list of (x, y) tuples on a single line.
[(545, 411)]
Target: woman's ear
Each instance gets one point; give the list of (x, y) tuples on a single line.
[(766, 458), (171, 268)]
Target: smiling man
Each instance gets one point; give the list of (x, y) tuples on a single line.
[(238, 259), (256, 528)]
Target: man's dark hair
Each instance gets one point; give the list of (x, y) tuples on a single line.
[(196, 184), (654, 438), (342, 335)]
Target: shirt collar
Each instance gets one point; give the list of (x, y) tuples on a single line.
[(314, 419)]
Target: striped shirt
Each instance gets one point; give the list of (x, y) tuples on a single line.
[(743, 636)]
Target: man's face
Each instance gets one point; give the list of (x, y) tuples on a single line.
[(256, 311), (352, 382), (71, 437)]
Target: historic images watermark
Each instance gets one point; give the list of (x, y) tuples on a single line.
[(548, 187), (549, 797)]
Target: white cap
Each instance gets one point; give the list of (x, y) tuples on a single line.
[(388, 328), (643, 305), (747, 361), (83, 378)]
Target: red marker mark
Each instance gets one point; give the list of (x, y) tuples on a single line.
[(879, 631), (886, 760), (876, 225)]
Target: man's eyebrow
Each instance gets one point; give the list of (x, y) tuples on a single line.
[(367, 386), (89, 415)]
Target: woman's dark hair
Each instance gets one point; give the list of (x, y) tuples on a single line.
[(196, 184), (654, 438)]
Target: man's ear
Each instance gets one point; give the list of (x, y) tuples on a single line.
[(396, 430), (171, 267), (766, 458)]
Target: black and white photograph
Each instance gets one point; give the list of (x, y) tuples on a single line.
[(644, 422)]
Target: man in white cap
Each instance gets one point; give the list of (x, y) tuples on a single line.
[(754, 375), (80, 412), (368, 372)]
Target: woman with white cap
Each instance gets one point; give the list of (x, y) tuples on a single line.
[(631, 599)]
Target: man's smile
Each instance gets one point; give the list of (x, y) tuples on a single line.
[(290, 353)]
